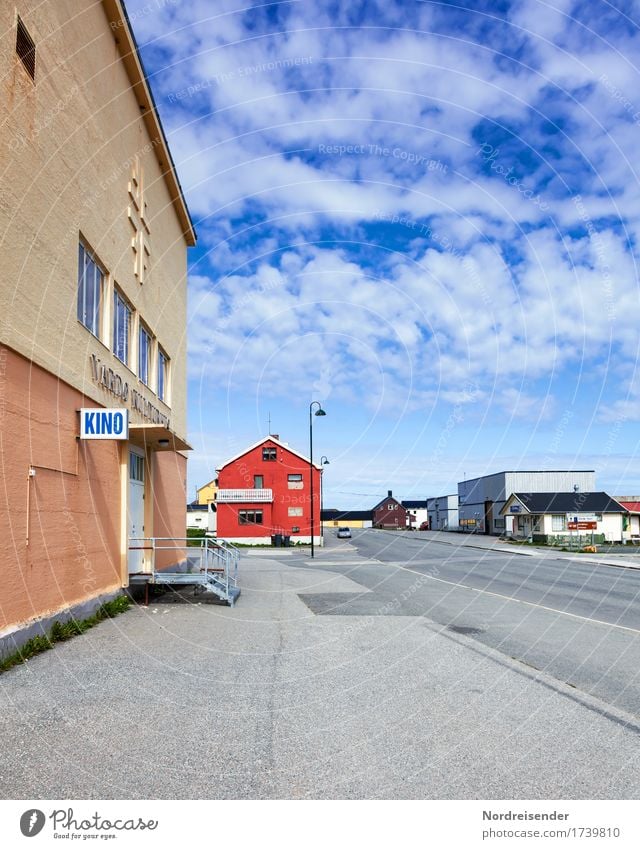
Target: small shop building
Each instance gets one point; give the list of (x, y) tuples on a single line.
[(442, 513), (347, 518), (556, 516)]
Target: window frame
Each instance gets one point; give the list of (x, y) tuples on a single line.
[(143, 330), (119, 299), (244, 517), (162, 387), (86, 257), (267, 453)]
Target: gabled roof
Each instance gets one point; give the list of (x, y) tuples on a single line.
[(386, 498), (564, 502), (262, 441), (414, 505)]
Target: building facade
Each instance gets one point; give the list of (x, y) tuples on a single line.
[(206, 494), (442, 513), (389, 514), (551, 516), (480, 500), (416, 513), (94, 235), (266, 491)]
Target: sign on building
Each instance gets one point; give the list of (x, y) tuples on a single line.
[(98, 423)]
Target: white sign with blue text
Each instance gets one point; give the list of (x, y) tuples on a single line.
[(98, 423)]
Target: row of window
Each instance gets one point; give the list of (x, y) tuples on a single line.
[(254, 517), (152, 362), (294, 481)]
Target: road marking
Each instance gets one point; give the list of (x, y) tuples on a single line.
[(519, 600)]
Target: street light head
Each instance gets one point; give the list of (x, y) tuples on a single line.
[(325, 462), (320, 412)]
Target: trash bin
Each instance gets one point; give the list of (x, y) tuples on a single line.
[(278, 541), (287, 542)]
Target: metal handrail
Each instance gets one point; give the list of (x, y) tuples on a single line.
[(225, 555)]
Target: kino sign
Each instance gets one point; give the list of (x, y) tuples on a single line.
[(104, 424)]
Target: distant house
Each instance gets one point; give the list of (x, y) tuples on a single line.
[(348, 518), (631, 524), (540, 515), (389, 513), (265, 491), (206, 493), (443, 513), (416, 513), (202, 516)]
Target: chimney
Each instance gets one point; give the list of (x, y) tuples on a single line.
[(389, 494), (274, 435)]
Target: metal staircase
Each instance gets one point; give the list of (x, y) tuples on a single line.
[(209, 564)]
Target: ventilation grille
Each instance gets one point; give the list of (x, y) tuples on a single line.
[(26, 49)]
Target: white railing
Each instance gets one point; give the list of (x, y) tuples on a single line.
[(246, 496)]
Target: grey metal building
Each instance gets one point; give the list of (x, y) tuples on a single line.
[(443, 513), (481, 499)]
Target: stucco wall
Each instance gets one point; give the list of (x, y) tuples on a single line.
[(70, 509), (169, 495), (68, 146)]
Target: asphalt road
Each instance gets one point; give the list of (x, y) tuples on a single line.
[(369, 673), (578, 622)]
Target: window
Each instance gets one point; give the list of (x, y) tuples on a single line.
[(144, 355), (90, 285), (249, 517), (121, 327), (163, 375), (136, 467), (258, 482), (295, 511), (26, 49), (295, 481), (268, 453), (559, 523)]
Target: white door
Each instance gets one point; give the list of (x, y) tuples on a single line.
[(136, 510)]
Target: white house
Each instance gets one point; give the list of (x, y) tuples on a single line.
[(541, 515)]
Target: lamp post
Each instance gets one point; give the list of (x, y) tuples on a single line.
[(323, 462), (318, 412)]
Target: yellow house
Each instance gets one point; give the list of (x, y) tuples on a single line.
[(207, 493)]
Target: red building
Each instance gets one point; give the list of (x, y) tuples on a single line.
[(389, 513), (266, 490)]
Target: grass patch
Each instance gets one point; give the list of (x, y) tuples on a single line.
[(61, 631)]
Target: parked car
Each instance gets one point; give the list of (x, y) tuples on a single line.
[(424, 526), (344, 533)]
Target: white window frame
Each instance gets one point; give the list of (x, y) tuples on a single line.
[(143, 373), (162, 387), (119, 299), (86, 259)]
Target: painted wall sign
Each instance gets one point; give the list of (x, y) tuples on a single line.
[(515, 508), (113, 383), (98, 423)]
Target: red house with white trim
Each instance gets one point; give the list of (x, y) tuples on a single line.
[(266, 490)]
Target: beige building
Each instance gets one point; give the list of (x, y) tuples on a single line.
[(207, 493), (94, 232)]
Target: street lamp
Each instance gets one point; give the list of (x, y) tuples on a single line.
[(323, 462), (318, 412)]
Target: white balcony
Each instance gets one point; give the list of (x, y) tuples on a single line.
[(244, 496)]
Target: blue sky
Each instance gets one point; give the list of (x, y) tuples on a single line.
[(424, 215)]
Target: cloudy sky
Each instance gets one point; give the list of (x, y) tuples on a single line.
[(424, 215)]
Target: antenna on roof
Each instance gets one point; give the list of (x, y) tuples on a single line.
[(269, 430)]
